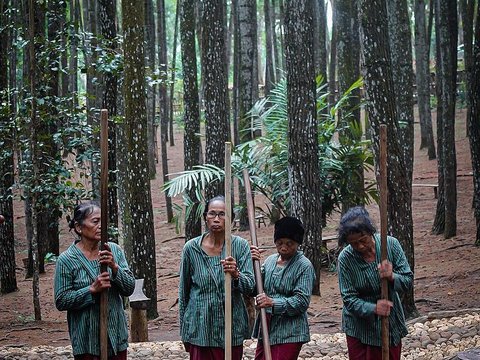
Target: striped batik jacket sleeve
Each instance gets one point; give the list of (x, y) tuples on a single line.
[(123, 279)]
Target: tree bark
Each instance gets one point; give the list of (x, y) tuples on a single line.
[(217, 129), (303, 167), (269, 66), (474, 127), (163, 100), (139, 230), (109, 102), (191, 140), (423, 80), (8, 279), (381, 109), (448, 30)]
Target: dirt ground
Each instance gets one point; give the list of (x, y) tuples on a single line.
[(447, 272)]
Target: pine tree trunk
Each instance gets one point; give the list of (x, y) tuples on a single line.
[(139, 230), (269, 67), (467, 11), (8, 279), (191, 141), (217, 129), (382, 110), (303, 168), (332, 79), (474, 127), (448, 31), (109, 102), (423, 80), (163, 101)]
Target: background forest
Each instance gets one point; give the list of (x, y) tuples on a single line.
[(300, 88)]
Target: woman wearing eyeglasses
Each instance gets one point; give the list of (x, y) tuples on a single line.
[(360, 271), (288, 281), (201, 290)]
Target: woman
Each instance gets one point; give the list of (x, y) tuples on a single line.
[(288, 281), (201, 290), (78, 284), (360, 271)]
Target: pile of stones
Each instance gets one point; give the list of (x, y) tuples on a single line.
[(428, 339)]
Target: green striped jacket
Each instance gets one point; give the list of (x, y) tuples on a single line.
[(359, 283), (291, 289), (74, 274), (201, 294)]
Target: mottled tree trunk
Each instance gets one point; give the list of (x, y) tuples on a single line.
[(269, 67), (8, 279), (332, 66), (172, 79), (467, 11), (150, 64), (163, 100), (447, 32), (348, 58), (382, 110), (217, 129), (401, 55), (109, 102), (474, 127), (423, 80), (303, 167), (191, 140), (319, 39), (248, 80), (139, 230)]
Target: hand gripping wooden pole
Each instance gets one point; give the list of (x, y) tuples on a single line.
[(256, 263), (104, 230), (383, 234), (228, 250)]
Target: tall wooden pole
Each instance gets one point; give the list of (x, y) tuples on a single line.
[(228, 250), (104, 229), (383, 234), (256, 263)]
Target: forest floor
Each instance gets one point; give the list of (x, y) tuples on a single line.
[(447, 272)]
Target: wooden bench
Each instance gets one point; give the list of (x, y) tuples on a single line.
[(260, 219), (434, 186)]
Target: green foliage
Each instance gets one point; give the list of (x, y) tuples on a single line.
[(266, 157)]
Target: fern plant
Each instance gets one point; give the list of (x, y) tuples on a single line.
[(266, 158)]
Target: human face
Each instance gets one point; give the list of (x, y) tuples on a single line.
[(91, 228), (361, 242), (215, 216), (286, 247)]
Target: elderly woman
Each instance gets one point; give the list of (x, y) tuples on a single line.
[(360, 271), (288, 281), (202, 293), (78, 285)]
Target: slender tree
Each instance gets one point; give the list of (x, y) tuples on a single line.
[(163, 100), (423, 80), (381, 109), (320, 31), (303, 167), (217, 128), (139, 230), (401, 55), (8, 279), (269, 65), (447, 35), (191, 140), (109, 101), (474, 127), (332, 66), (467, 11), (150, 64)]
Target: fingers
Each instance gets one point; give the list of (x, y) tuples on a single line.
[(229, 265), (383, 307), (263, 301)]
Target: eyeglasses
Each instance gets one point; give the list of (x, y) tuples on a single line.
[(214, 214)]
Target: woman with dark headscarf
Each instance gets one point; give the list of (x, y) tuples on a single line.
[(202, 293), (288, 278), (360, 271)]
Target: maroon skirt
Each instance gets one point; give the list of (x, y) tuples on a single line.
[(212, 353), (359, 351), (122, 355), (289, 351)]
